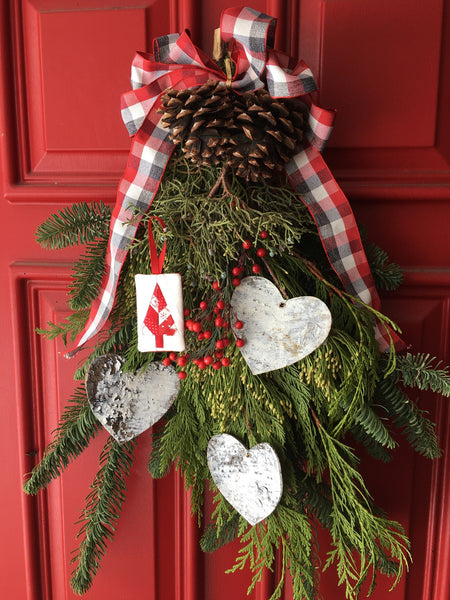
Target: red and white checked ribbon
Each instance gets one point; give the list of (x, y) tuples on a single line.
[(177, 63)]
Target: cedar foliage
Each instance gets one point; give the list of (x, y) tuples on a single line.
[(311, 412)]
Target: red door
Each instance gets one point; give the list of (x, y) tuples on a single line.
[(64, 63)]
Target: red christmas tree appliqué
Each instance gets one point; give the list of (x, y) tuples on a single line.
[(158, 318)]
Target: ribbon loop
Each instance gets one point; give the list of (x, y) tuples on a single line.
[(156, 262)]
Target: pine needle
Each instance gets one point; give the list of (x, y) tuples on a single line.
[(77, 224), (102, 511), (76, 428)]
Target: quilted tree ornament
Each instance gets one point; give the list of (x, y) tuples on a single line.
[(277, 332), (126, 404), (159, 299), (250, 480)]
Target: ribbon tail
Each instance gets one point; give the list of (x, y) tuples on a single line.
[(330, 209), (149, 155)]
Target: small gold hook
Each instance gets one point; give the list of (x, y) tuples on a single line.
[(228, 71)]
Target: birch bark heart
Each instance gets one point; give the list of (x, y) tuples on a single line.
[(277, 332), (249, 479), (126, 404)]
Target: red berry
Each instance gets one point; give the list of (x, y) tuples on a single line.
[(218, 322), (238, 325), (208, 360), (220, 344), (172, 355), (189, 323), (220, 304), (216, 310), (218, 353), (236, 271), (216, 285), (200, 337), (186, 312), (256, 269), (263, 235), (261, 252), (226, 342), (240, 342), (182, 374), (207, 334), (236, 281), (201, 364), (225, 362), (246, 244), (197, 327), (203, 305), (166, 362), (182, 361), (217, 365)]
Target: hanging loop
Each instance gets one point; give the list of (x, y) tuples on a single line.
[(156, 262)]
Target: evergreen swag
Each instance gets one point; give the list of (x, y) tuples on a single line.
[(309, 412)]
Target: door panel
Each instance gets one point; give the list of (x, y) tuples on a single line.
[(63, 66)]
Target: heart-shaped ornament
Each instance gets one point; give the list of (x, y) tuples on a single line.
[(249, 479), (277, 332), (126, 404)]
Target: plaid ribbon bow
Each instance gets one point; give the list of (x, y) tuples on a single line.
[(177, 63)]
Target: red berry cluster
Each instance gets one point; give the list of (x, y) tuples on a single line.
[(219, 315), (201, 325), (256, 269)]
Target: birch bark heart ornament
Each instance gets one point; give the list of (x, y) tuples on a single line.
[(126, 404), (249, 479), (277, 332)]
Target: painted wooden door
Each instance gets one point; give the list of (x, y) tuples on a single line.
[(64, 63)]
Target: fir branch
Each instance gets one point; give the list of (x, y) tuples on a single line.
[(315, 498), (76, 428), (87, 275), (413, 422), (423, 372), (77, 224), (374, 427), (373, 447), (387, 276), (102, 511), (68, 329)]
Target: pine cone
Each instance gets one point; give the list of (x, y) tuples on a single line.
[(253, 133)]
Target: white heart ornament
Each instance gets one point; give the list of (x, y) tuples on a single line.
[(250, 480), (126, 404), (277, 332)]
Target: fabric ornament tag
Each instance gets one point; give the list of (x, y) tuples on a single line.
[(126, 404), (250, 480), (277, 332), (159, 300)]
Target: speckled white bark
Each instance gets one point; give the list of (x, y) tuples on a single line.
[(126, 404), (277, 332), (250, 480)]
